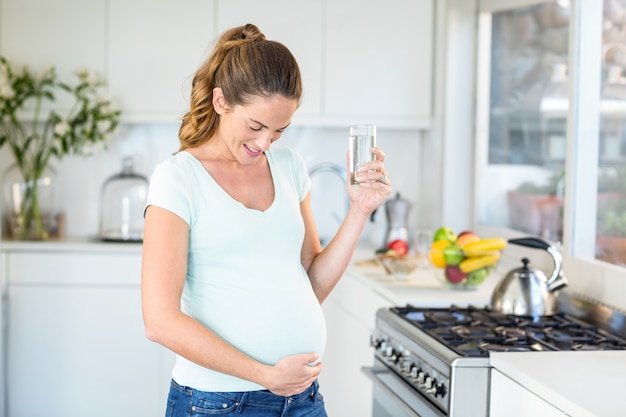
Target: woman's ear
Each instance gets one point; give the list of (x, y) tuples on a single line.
[(219, 102)]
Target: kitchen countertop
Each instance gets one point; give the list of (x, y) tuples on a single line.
[(581, 384), (71, 245), (423, 288)]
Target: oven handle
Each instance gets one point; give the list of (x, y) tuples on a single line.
[(371, 373)]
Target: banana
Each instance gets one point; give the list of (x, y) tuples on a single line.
[(472, 264), (484, 246)]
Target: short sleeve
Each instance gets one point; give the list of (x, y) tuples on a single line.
[(169, 189), (300, 173)]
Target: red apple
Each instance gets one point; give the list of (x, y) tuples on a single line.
[(454, 275)]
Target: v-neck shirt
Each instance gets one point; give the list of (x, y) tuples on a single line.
[(245, 280)]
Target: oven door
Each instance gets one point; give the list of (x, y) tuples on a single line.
[(395, 398)]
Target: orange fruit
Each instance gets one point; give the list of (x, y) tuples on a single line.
[(466, 237), (436, 253)]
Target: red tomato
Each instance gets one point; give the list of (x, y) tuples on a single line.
[(400, 246)]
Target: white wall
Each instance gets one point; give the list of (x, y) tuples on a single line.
[(80, 179)]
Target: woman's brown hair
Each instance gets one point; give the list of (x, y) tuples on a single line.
[(244, 65)]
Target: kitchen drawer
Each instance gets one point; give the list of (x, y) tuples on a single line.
[(358, 300), (78, 268)]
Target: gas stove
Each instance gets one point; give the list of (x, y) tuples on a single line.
[(477, 331), (435, 361)]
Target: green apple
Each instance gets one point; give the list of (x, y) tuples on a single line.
[(453, 254), (477, 277), (444, 233)]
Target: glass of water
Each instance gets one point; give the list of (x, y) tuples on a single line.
[(362, 139)]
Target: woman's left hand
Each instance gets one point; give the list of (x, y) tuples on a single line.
[(374, 186)]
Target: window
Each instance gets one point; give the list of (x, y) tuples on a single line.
[(530, 137)]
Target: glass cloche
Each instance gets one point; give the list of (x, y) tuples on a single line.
[(122, 205)]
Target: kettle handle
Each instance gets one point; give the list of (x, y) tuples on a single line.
[(531, 242), (538, 243)]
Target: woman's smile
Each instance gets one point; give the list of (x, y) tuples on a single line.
[(251, 151)]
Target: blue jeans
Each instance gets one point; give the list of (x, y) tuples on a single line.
[(188, 402)]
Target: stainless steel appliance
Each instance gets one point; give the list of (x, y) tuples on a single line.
[(397, 211), (433, 362)]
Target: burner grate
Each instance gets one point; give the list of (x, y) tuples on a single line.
[(476, 331)]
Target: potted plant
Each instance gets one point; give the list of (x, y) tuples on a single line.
[(538, 208), (36, 133)]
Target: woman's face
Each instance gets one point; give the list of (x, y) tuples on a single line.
[(249, 130)]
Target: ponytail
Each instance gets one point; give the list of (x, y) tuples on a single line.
[(244, 65)]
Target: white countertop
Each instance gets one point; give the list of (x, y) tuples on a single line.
[(71, 245), (581, 384), (422, 288)]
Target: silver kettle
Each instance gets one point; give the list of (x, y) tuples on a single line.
[(526, 291)]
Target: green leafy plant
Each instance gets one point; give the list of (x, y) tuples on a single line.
[(35, 133)]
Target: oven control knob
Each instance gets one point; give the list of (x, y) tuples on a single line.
[(421, 376), (388, 351), (440, 390), (406, 365), (436, 389), (377, 342), (414, 370)]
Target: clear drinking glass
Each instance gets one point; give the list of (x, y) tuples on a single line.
[(422, 240), (362, 139)]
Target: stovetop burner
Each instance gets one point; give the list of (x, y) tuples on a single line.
[(475, 331)]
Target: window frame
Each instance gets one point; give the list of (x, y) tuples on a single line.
[(587, 275)]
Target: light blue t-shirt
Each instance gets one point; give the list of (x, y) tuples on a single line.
[(245, 280)]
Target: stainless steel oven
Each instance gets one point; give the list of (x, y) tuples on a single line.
[(434, 362)]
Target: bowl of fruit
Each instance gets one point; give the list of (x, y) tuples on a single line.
[(396, 259), (464, 260)]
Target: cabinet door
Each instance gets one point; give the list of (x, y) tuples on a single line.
[(297, 25), (82, 351), (76, 343), (378, 62), (66, 34), (510, 399), (350, 318), (154, 49)]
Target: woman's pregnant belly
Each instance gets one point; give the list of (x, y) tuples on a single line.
[(266, 322)]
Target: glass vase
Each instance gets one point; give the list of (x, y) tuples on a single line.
[(29, 206)]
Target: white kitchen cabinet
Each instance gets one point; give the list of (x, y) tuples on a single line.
[(154, 49), (361, 61), (378, 61), (76, 341), (295, 24), (66, 34), (350, 318), (508, 398)]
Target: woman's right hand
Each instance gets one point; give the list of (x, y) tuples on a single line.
[(293, 374)]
